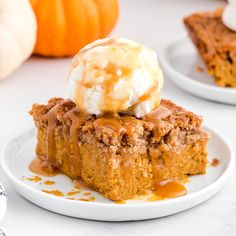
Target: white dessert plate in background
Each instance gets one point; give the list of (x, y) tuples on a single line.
[(18, 153), (182, 65)]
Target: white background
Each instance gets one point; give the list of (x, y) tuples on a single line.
[(152, 22)]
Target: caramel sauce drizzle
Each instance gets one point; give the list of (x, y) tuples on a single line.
[(149, 93), (54, 192), (215, 162), (169, 189), (42, 167), (72, 193), (49, 182), (155, 118), (116, 73), (91, 199), (77, 118), (46, 165), (119, 202), (76, 58), (34, 179), (157, 115), (52, 121), (78, 184), (199, 69), (111, 121), (87, 193)]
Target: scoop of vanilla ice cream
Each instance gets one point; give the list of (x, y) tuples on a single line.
[(229, 15), (115, 75)]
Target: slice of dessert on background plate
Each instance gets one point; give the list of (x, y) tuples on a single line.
[(116, 141), (216, 44), (212, 45)]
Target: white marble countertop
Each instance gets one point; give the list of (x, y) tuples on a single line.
[(152, 22)]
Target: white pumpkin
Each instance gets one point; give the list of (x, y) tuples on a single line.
[(17, 34)]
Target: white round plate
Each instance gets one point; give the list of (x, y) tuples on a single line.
[(182, 64), (18, 153)]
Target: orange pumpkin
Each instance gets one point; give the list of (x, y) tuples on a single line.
[(65, 26)]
